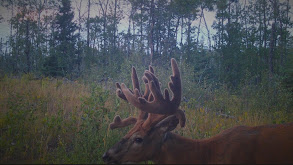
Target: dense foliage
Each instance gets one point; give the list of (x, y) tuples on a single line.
[(252, 40)]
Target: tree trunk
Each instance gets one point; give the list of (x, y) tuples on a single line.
[(128, 35), (88, 24), (272, 47), (115, 24), (27, 47), (265, 27), (285, 36), (209, 37), (198, 29), (181, 40), (79, 38), (141, 28), (133, 33), (176, 34), (151, 32)]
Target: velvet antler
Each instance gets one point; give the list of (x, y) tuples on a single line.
[(156, 103), (117, 122)]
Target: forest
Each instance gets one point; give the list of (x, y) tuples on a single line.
[(60, 60)]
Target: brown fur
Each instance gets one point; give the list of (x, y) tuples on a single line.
[(241, 144)]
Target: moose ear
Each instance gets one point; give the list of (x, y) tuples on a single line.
[(167, 124)]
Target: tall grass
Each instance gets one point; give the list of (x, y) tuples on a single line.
[(60, 121)]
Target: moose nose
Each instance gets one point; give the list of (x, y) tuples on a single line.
[(106, 156)]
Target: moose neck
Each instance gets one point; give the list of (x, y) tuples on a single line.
[(178, 149)]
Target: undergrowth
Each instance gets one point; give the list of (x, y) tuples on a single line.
[(60, 121)]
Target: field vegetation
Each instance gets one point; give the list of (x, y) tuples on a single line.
[(51, 120)]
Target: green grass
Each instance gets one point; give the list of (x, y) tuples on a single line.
[(58, 121)]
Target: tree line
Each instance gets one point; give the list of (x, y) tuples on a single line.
[(252, 42)]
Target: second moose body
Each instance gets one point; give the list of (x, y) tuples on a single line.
[(151, 137)]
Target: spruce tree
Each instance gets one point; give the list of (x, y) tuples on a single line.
[(63, 57)]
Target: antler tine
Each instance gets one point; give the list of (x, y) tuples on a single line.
[(151, 69), (175, 83), (148, 96), (118, 123), (137, 93), (159, 104), (135, 82), (163, 105), (135, 85), (119, 93), (147, 92)]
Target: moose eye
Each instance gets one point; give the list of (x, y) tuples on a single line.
[(138, 140)]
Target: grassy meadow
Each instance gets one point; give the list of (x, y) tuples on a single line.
[(57, 121)]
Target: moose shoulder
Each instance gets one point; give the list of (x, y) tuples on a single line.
[(151, 137)]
